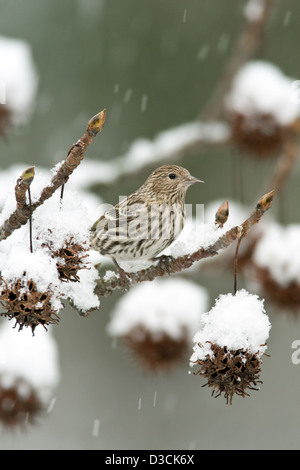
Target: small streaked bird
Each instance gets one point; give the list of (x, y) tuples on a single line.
[(143, 224)]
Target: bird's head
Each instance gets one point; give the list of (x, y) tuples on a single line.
[(170, 179)]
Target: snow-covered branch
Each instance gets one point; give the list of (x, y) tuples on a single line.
[(22, 212), (170, 145), (76, 153), (168, 264), (209, 130)]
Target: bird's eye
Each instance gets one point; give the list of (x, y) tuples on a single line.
[(172, 176)]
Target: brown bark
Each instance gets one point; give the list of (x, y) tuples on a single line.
[(76, 153), (167, 265)]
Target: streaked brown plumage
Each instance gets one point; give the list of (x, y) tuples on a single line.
[(142, 225)]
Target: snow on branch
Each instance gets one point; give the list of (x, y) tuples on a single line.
[(167, 146), (177, 142), (76, 153), (33, 295), (168, 264), (22, 212)]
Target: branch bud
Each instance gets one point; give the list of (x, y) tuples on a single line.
[(96, 123), (28, 175), (222, 214), (265, 202)]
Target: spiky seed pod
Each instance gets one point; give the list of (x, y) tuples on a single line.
[(26, 305), (20, 405), (263, 109), (275, 266), (230, 344), (286, 297), (260, 136), (230, 372), (69, 260), (156, 352)]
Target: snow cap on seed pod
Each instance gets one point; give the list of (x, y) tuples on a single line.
[(157, 321), (18, 83), (263, 109), (29, 375), (275, 269), (230, 344)]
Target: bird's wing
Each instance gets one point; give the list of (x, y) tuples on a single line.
[(122, 213)]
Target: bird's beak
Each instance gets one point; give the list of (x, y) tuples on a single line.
[(191, 180)]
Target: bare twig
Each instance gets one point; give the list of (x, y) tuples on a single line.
[(235, 264), (74, 157), (169, 145), (201, 133), (22, 212), (76, 153), (30, 221), (168, 265)]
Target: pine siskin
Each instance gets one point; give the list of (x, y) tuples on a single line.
[(145, 223)]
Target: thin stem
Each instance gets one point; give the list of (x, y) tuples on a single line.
[(62, 193), (235, 264), (30, 221), (167, 265), (76, 153)]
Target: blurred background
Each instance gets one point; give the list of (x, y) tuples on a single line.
[(153, 66)]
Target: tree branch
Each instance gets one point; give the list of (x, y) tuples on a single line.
[(22, 212), (209, 129), (168, 265), (76, 153), (169, 145)]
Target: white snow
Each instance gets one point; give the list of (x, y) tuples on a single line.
[(9, 176), (166, 143), (202, 232), (38, 266), (278, 251), (238, 212), (199, 232), (144, 152), (254, 9), (54, 224), (236, 321), (161, 306), (194, 236), (261, 88), (19, 77), (32, 358), (93, 172)]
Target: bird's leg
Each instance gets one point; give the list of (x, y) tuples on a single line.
[(123, 275)]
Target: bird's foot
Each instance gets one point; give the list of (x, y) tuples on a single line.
[(124, 278)]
